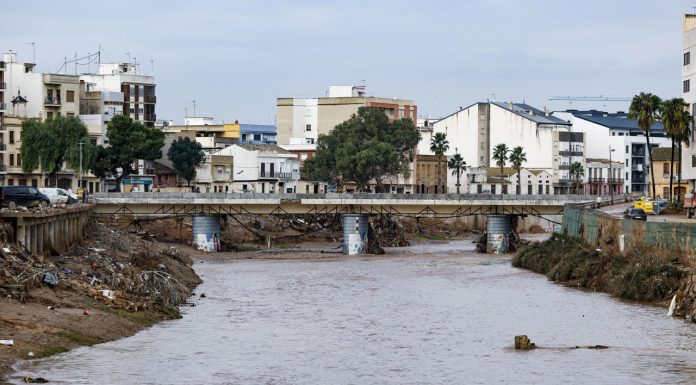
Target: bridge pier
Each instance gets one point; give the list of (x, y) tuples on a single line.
[(498, 229), (355, 229), (206, 232)]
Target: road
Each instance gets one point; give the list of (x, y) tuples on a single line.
[(618, 209)]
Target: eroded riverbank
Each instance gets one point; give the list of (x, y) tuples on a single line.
[(427, 314)]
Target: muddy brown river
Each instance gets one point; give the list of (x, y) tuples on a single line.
[(429, 314)]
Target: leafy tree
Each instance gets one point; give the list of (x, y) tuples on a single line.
[(186, 155), (500, 155), (439, 145), (365, 147), (517, 157), (458, 165), (672, 113), (683, 137), (50, 145), (575, 172), (128, 142), (644, 108)]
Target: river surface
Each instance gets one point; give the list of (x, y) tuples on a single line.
[(433, 314)]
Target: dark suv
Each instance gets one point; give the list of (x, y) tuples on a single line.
[(636, 214), (22, 196)]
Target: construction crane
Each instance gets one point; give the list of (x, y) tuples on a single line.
[(599, 98)]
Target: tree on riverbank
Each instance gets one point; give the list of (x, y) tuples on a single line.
[(676, 119), (500, 155), (129, 141), (49, 145), (644, 108), (186, 155), (517, 158), (438, 146), (367, 147), (458, 165)]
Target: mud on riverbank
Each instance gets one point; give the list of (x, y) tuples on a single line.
[(641, 274), (113, 284)]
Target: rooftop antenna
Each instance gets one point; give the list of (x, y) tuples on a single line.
[(194, 108), (33, 48)]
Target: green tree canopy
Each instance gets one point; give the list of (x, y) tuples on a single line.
[(50, 145), (365, 147), (644, 108), (517, 158), (458, 165), (575, 172), (500, 155), (128, 142), (186, 155), (438, 146)]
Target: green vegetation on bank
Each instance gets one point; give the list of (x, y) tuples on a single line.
[(639, 274)]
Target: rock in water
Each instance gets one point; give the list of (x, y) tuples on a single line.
[(523, 343)]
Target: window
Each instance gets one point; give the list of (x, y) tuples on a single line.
[(627, 149), (626, 175), (687, 85), (70, 96), (308, 127), (70, 114), (687, 58), (309, 141), (257, 136), (626, 162), (505, 189), (10, 182), (11, 136), (665, 169), (49, 115), (19, 160), (11, 159), (693, 160)]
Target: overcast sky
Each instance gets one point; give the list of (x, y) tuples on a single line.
[(236, 57)]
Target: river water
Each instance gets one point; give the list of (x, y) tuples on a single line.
[(432, 314)]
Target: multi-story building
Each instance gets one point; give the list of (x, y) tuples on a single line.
[(3, 109), (257, 133), (138, 89), (490, 180), (263, 168), (211, 135), (661, 163), (300, 121), (615, 133), (97, 108), (547, 140), (424, 174), (688, 156), (603, 177)]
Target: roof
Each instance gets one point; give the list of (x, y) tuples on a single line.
[(259, 128), (494, 179), (495, 171), (618, 120), (263, 148), (532, 113), (665, 153), (536, 171)]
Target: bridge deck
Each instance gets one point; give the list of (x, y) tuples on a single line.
[(165, 204)]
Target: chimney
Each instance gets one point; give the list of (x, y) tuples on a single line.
[(546, 111)]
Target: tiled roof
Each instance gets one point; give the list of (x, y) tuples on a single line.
[(617, 120), (665, 153), (531, 113)]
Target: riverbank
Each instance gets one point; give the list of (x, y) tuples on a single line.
[(112, 285), (640, 274)]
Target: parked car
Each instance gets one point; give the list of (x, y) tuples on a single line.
[(59, 196), (12, 196), (636, 214)]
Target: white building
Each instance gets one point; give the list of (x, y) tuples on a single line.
[(263, 168), (489, 180), (604, 130), (688, 158), (547, 140)]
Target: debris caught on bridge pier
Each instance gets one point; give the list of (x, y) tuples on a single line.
[(522, 342)]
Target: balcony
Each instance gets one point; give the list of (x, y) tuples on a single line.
[(597, 179), (3, 66), (288, 175), (267, 174), (3, 168), (149, 117), (52, 101), (223, 177), (570, 153), (149, 171), (151, 99), (3, 86), (3, 147), (3, 107)]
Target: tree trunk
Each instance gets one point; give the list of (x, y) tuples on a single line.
[(671, 173), (679, 143), (519, 181), (439, 183), (459, 172), (652, 172)]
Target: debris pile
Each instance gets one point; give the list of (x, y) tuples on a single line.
[(122, 270), (390, 232)]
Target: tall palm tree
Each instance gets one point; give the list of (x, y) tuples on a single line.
[(683, 137), (575, 172), (500, 155), (439, 145), (517, 157), (672, 112), (644, 108), (458, 165)]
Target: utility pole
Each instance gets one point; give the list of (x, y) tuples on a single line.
[(611, 177), (194, 108)]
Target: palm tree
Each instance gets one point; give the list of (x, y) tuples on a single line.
[(671, 112), (644, 108), (517, 157), (458, 165), (685, 137), (500, 155), (575, 172), (439, 145)]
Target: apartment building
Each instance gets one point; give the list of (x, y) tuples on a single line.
[(210, 134), (603, 177), (490, 180), (3, 128), (138, 89), (263, 168), (97, 108), (257, 133), (615, 133), (688, 156), (661, 163), (300, 121), (475, 130)]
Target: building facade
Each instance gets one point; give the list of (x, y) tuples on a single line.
[(661, 157), (263, 168), (603, 178), (257, 134), (688, 156)]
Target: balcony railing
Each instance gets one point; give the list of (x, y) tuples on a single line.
[(3, 147), (2, 65), (285, 175), (223, 177), (267, 174), (52, 101), (150, 117), (150, 99), (3, 106), (3, 167), (3, 86)]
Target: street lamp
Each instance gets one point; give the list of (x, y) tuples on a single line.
[(611, 176)]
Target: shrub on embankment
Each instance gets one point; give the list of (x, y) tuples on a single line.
[(638, 274)]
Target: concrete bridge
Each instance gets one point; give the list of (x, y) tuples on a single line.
[(206, 208)]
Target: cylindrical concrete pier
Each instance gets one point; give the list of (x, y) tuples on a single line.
[(498, 230), (206, 232), (355, 229)]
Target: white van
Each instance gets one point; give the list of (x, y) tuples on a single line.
[(58, 196)]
